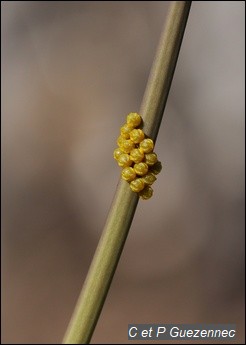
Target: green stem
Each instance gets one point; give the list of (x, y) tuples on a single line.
[(107, 255)]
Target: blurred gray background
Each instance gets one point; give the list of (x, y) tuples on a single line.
[(71, 71)]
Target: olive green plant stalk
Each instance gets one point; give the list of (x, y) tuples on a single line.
[(107, 255)]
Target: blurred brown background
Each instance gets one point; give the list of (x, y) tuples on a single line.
[(71, 71)]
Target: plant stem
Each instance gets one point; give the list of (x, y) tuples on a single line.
[(107, 255)]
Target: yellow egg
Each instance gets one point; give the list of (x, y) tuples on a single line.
[(120, 140), (127, 145), (150, 158), (136, 155), (147, 145), (137, 185), (134, 119), (128, 174), (117, 153), (149, 178), (141, 168), (124, 160), (125, 131), (146, 193), (137, 135)]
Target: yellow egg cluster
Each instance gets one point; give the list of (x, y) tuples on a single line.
[(136, 157)]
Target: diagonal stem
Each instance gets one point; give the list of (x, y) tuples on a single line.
[(107, 255)]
